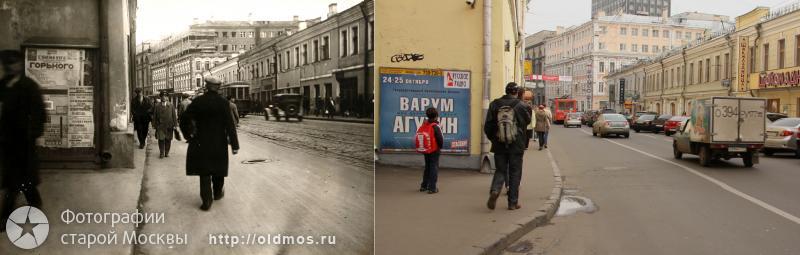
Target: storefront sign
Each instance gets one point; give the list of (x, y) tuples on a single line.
[(539, 77), (67, 99), (780, 79), (407, 93), (742, 79)]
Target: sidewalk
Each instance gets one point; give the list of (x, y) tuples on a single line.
[(85, 191), (456, 220)]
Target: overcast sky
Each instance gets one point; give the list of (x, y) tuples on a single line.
[(158, 18), (547, 14)]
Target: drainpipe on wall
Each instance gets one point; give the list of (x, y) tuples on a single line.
[(662, 85), (486, 158), (683, 87), (755, 44), (363, 6), (728, 74)]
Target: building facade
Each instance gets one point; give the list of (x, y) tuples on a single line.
[(331, 59), (87, 123), (469, 63), (656, 8), (535, 56), (588, 52)]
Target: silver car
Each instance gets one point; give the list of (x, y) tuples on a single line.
[(782, 137), (573, 120), (611, 123)]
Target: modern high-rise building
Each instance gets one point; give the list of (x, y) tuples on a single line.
[(635, 7)]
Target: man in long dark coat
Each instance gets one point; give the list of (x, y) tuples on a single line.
[(141, 108), (164, 122), (22, 117), (209, 128)]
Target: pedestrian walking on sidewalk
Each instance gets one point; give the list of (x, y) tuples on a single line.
[(165, 120), (527, 98), (234, 110), (141, 109), (506, 121), (209, 127), (429, 142), (22, 117), (543, 121), (183, 105)]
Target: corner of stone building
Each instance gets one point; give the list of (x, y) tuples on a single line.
[(119, 152)]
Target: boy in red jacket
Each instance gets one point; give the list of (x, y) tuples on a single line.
[(431, 151)]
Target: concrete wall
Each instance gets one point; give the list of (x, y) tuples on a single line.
[(24, 19)]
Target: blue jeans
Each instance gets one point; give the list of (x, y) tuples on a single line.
[(542, 138), (431, 174), (509, 170)]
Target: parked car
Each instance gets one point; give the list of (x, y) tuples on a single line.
[(734, 130), (586, 119), (782, 137), (672, 125), (286, 106), (658, 123), (573, 119), (244, 106), (611, 123), (636, 115), (643, 123), (773, 116)]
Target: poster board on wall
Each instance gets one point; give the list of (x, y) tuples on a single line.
[(407, 93), (68, 95)]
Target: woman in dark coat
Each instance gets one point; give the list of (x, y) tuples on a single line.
[(22, 117), (209, 128)]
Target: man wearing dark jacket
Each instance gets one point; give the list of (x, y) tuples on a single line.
[(431, 174), (507, 157), (208, 126), (22, 117), (141, 108)]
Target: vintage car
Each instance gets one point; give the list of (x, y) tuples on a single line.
[(285, 106)]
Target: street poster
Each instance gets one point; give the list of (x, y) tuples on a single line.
[(407, 93), (81, 119), (68, 102)]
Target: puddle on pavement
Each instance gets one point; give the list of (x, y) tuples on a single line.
[(573, 204), (258, 161), (521, 247)]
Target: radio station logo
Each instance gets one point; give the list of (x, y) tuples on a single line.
[(27, 227)]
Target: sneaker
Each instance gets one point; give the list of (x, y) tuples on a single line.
[(514, 207), (492, 200)]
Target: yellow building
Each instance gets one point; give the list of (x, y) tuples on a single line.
[(434, 53), (771, 43)]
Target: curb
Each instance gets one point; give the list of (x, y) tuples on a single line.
[(497, 242)]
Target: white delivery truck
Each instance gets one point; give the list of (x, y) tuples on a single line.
[(723, 128)]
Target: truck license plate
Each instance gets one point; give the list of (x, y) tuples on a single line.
[(737, 149)]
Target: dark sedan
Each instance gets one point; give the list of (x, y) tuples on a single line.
[(644, 123), (658, 123)]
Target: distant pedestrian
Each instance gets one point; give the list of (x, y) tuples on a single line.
[(141, 109), (165, 120), (209, 127), (330, 108), (543, 121), (506, 119), (527, 98), (183, 105), (22, 118), (234, 110), (429, 142)]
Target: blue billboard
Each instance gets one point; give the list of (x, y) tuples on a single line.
[(406, 94)]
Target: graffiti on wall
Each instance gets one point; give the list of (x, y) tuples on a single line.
[(403, 57)]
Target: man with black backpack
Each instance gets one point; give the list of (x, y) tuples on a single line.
[(506, 121)]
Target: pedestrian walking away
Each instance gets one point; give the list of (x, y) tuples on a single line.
[(141, 109), (429, 142), (164, 121), (505, 123), (22, 117), (234, 110), (543, 121), (183, 105), (209, 127)]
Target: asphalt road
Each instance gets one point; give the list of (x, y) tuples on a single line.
[(650, 203), (288, 179)]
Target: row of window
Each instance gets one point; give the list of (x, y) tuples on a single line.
[(646, 32), (234, 34), (315, 50), (699, 71), (780, 51), (234, 47), (644, 48)]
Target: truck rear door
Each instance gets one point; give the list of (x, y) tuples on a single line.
[(725, 120), (738, 120), (753, 124)]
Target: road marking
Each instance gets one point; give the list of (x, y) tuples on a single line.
[(721, 184), (556, 170)]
